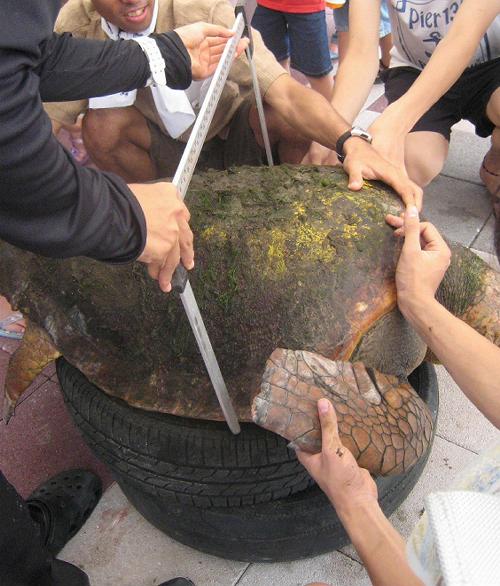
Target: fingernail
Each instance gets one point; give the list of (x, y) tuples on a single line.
[(412, 211), (323, 406)]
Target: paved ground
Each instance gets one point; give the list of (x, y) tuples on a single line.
[(118, 548)]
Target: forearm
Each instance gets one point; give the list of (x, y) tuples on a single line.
[(308, 112), (471, 359), (353, 83), (381, 548), (359, 66), (448, 61), (73, 68)]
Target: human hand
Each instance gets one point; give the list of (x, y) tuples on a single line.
[(320, 155), (169, 239), (389, 135), (362, 161), (335, 469), (424, 259), (205, 43)]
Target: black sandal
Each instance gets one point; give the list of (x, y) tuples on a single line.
[(62, 504)]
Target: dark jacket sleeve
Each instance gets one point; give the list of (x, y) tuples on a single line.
[(48, 203), (72, 68)]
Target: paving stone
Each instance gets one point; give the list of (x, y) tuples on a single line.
[(465, 156), (333, 568), (484, 241), (459, 421), (445, 461), (117, 547), (458, 208), (491, 259), (41, 440)]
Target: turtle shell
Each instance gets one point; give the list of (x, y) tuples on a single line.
[(285, 257)]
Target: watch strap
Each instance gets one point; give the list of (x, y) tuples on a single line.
[(354, 131), (156, 61)]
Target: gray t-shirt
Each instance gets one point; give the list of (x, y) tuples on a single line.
[(419, 25)]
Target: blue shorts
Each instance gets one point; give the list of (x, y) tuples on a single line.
[(302, 37), (341, 17)]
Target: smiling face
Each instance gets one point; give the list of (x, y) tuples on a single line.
[(132, 16)]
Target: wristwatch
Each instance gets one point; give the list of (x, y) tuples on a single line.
[(156, 61), (355, 131)]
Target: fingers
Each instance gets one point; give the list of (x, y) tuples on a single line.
[(168, 268), (412, 229), (329, 428), (215, 30), (186, 244), (394, 221), (431, 238), (355, 177)]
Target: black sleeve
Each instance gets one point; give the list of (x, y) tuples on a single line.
[(48, 203), (72, 68)]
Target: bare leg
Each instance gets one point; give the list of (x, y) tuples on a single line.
[(490, 170), (425, 155), (285, 64), (323, 85), (292, 147), (118, 140), (385, 44)]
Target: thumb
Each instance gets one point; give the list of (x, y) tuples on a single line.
[(329, 429), (411, 228)]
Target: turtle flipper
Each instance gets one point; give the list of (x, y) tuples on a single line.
[(26, 363), (381, 420)]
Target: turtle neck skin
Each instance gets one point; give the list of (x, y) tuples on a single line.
[(48, 203)]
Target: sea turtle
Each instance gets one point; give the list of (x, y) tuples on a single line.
[(287, 258)]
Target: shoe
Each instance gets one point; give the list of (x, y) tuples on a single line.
[(11, 319), (62, 504), (178, 582)]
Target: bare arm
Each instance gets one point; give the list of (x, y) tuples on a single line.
[(313, 116), (472, 360), (359, 66), (448, 61), (353, 493)]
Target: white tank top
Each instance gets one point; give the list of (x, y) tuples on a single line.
[(419, 25)]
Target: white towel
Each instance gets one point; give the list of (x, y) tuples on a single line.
[(173, 106), (466, 530)]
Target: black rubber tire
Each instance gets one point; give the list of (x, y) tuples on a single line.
[(296, 526), (299, 526), (188, 461)]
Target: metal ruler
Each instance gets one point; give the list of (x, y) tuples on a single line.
[(181, 180)]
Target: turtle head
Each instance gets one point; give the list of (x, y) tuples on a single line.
[(471, 291)]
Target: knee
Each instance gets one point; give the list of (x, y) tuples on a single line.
[(425, 158), (422, 171), (102, 130)]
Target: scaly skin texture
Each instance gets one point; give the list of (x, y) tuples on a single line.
[(381, 420), (29, 359)]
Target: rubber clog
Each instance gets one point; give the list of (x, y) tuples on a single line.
[(62, 504)]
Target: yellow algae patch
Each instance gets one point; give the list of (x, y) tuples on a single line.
[(214, 233), (276, 252), (310, 242), (299, 209)]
